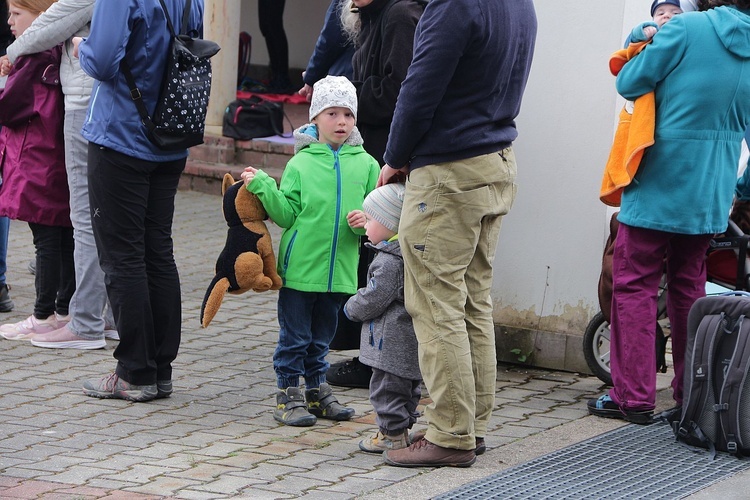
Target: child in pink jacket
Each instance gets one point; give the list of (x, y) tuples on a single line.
[(34, 184)]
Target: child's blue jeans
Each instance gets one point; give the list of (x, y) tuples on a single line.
[(307, 322)]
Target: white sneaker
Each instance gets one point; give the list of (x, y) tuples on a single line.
[(28, 327)]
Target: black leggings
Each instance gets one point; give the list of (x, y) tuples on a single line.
[(271, 20), (54, 279)]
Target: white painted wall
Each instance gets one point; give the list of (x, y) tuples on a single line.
[(303, 20), (549, 256)]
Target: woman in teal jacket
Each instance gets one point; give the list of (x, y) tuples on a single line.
[(323, 185), (699, 67)]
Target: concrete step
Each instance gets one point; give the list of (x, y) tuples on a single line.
[(218, 155), (208, 162)]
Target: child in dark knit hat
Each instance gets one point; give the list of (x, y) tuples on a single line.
[(388, 343), (661, 12)]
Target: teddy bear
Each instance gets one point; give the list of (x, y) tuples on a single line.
[(247, 261)]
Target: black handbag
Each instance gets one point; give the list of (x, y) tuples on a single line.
[(246, 119)]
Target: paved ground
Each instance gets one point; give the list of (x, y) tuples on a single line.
[(215, 437)]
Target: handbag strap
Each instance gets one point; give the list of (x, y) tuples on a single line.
[(135, 93), (281, 132)]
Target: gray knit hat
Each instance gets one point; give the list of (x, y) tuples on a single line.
[(384, 205), (333, 91)]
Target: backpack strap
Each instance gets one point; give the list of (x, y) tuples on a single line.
[(698, 383), (135, 93), (728, 407), (185, 18)]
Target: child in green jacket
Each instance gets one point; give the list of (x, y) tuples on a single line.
[(318, 204)]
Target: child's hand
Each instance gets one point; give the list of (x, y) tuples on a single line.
[(649, 32), (5, 66), (356, 219), (248, 175)]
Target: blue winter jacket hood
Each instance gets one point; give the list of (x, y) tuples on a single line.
[(732, 27)]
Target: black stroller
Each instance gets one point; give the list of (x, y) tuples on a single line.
[(727, 266)]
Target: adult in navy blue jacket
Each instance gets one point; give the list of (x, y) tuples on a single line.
[(333, 52), (452, 132), (132, 185)]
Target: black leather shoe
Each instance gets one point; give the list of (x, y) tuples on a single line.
[(350, 373)]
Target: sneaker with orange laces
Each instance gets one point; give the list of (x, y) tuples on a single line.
[(30, 326)]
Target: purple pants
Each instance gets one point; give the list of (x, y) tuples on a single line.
[(636, 271)]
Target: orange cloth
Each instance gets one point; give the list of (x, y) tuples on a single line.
[(635, 132)]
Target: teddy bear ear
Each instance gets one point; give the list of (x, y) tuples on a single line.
[(226, 182)]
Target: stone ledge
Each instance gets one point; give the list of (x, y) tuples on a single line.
[(553, 350)]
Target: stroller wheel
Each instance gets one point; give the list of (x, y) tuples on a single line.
[(596, 348)]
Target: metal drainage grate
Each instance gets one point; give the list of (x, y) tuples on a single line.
[(629, 462)]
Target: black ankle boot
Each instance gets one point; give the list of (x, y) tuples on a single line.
[(6, 305), (350, 373)]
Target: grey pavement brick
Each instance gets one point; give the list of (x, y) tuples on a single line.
[(164, 485), (188, 494), (323, 494), (538, 385), (140, 474), (22, 441), (206, 472), (56, 463), (138, 440), (517, 393), (231, 484), (542, 405), (392, 474), (517, 411), (540, 422), (268, 472), (333, 471), (563, 395), (358, 485), (105, 454), (516, 431), (76, 474), (303, 459), (568, 414), (295, 485)]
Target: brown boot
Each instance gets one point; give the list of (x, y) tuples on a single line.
[(426, 454), (479, 450)]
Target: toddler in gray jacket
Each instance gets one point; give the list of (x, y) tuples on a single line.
[(388, 343)]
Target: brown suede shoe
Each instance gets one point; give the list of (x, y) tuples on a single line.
[(426, 454), (479, 450)]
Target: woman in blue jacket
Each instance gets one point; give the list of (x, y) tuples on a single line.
[(697, 65), (132, 185)]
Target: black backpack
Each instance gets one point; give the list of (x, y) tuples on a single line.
[(180, 116), (716, 405)]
